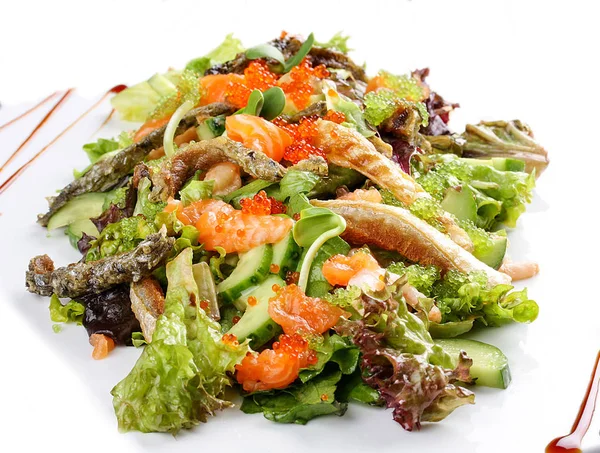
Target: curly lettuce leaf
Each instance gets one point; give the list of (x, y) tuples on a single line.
[(337, 42), (71, 312), (412, 374), (196, 190), (144, 206), (462, 297), (224, 52), (179, 379), (500, 196), (298, 403)]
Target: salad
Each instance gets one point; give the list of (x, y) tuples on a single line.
[(284, 224)]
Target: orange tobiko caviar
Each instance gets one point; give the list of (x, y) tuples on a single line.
[(260, 204), (257, 76), (299, 87), (303, 134), (335, 117), (230, 339)]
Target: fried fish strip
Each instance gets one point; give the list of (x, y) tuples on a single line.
[(202, 155), (106, 173), (147, 303), (79, 279), (393, 228), (347, 148)]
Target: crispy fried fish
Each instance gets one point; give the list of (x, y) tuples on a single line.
[(202, 155), (347, 148), (393, 228), (106, 173), (94, 277), (147, 303)]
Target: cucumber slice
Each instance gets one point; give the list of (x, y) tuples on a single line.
[(490, 365), (286, 254), (81, 207), (508, 164), (460, 201), (211, 128), (494, 255), (251, 270), (76, 229), (256, 323)]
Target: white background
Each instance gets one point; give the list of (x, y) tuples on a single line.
[(500, 60)]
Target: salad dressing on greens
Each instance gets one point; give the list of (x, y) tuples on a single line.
[(571, 443), (285, 224)]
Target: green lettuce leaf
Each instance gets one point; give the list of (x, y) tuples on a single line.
[(71, 312), (196, 190), (343, 104), (295, 182), (332, 349), (298, 403), (226, 51), (144, 206), (337, 42), (179, 379)]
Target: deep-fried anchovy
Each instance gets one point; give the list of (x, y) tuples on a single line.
[(204, 154), (79, 279), (314, 164), (106, 173), (147, 303), (381, 146), (347, 148), (316, 109), (288, 47), (393, 228)]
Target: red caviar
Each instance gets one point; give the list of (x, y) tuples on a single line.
[(203, 304), (336, 117), (257, 76), (252, 301), (235, 320), (260, 204), (275, 368), (299, 85), (230, 339), (292, 277), (274, 268), (296, 312), (324, 397)]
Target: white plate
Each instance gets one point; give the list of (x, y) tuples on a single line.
[(59, 396)]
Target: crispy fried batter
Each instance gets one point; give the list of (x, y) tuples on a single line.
[(204, 154), (106, 173), (347, 148), (393, 228), (94, 277)]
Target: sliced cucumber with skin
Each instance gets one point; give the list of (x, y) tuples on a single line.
[(286, 254), (76, 229), (460, 201), (252, 268), (494, 256), (490, 365), (256, 323), (81, 207)]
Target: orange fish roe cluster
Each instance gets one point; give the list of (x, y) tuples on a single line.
[(257, 76), (230, 339), (335, 117), (300, 86), (292, 277), (275, 368), (260, 204), (252, 301)]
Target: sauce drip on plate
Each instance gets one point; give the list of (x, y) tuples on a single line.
[(571, 443), (32, 109), (12, 178)]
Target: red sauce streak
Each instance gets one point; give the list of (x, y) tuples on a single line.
[(32, 109), (12, 178), (37, 128), (571, 443)]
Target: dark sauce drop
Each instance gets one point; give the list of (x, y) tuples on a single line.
[(571, 443)]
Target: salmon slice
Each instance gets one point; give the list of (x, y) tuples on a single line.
[(214, 87), (220, 225), (258, 134)]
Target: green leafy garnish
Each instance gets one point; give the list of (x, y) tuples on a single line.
[(71, 312), (144, 206), (337, 42), (196, 190), (120, 237), (269, 51), (226, 51), (352, 112)]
